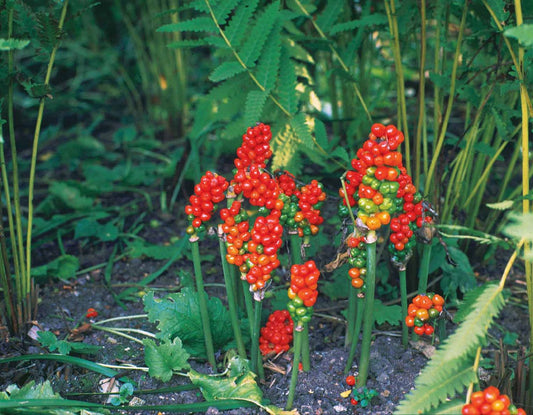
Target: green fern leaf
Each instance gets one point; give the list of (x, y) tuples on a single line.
[(225, 71), (453, 407), (255, 102), (287, 83), (240, 22), (449, 361), (301, 128), (268, 65), (47, 30), (233, 129), (264, 23), (224, 9), (370, 20), (321, 134), (285, 145), (196, 24), (329, 15), (188, 43), (426, 397)]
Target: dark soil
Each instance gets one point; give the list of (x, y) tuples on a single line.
[(64, 303)]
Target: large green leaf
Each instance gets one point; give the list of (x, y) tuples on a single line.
[(225, 71), (178, 315), (162, 360), (240, 384)]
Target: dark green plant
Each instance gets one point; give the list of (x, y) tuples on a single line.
[(18, 289)]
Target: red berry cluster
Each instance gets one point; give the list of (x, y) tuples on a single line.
[(258, 187), (301, 210), (276, 336), (310, 201), (490, 401), (303, 290), (207, 193), (266, 233), (357, 251), (255, 148), (422, 311), (236, 227), (383, 191), (286, 183)]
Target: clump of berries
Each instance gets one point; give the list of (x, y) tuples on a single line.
[(357, 261), (384, 194), (422, 312), (361, 396), (490, 401), (207, 194), (301, 210), (303, 291), (276, 336)]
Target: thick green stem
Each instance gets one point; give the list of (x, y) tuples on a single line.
[(352, 300), (358, 320), (248, 302), (297, 347), (368, 319), (306, 360), (296, 246), (232, 304), (424, 269), (403, 294), (202, 302), (254, 354)]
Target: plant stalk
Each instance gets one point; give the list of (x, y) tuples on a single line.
[(358, 321), (368, 318), (232, 304), (403, 296), (202, 302), (297, 348)]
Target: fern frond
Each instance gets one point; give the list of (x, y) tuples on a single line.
[(321, 134), (370, 20), (253, 108), (287, 82), (240, 22), (188, 43), (196, 24), (268, 65), (329, 15), (426, 397), (285, 145), (47, 30), (301, 128), (264, 23), (453, 407), (226, 70), (224, 9), (483, 306)]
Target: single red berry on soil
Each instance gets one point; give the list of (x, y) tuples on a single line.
[(353, 401), (91, 313), (350, 380)]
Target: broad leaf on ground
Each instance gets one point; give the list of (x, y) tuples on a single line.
[(240, 385), (178, 315), (165, 358)]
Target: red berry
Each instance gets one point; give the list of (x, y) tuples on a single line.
[(350, 380)]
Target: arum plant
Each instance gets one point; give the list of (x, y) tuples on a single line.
[(384, 195), (302, 295), (19, 292)]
